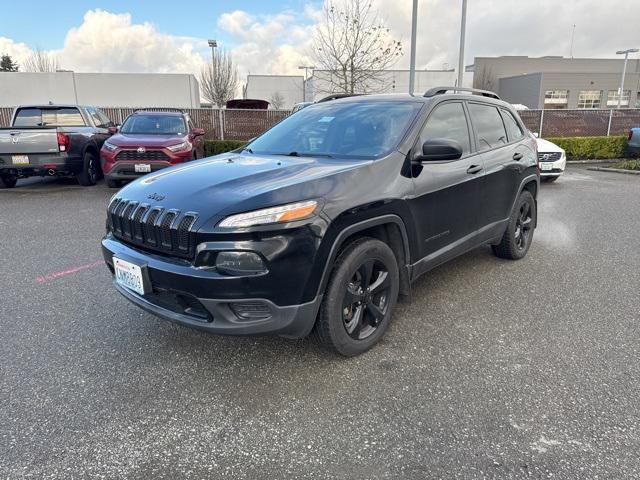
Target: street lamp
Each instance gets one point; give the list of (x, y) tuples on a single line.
[(624, 70), (463, 24), (306, 69), (213, 44), (412, 62)]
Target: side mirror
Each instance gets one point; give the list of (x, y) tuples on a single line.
[(198, 132), (112, 130), (536, 134), (437, 149)]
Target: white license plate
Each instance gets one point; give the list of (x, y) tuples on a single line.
[(142, 168), (546, 166), (129, 275), (20, 159)]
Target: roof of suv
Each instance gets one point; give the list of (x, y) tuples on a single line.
[(151, 112), (432, 94)]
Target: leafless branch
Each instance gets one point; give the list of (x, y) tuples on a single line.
[(41, 61), (219, 79)]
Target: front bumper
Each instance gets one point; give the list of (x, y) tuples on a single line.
[(558, 168), (179, 294)]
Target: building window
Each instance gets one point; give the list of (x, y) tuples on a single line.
[(589, 98), (612, 98), (556, 98)]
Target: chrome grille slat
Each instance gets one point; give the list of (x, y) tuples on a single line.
[(165, 230), (553, 156)]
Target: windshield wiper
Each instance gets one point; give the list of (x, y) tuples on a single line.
[(306, 154), (247, 149)]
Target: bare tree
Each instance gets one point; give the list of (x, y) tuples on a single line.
[(41, 61), (277, 101), (352, 48), (484, 79), (219, 79)]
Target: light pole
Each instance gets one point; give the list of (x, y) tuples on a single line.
[(624, 70), (306, 69), (463, 26), (412, 65), (213, 44)]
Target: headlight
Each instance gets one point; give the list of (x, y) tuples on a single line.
[(281, 214), (179, 147), (110, 146)]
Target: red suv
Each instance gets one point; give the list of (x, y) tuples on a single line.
[(148, 141)]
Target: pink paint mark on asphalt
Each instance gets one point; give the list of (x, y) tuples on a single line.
[(49, 277)]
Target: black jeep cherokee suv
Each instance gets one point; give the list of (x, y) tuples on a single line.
[(319, 224)]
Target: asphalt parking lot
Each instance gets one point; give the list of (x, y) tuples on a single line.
[(497, 369)]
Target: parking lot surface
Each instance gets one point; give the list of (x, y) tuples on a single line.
[(496, 369)]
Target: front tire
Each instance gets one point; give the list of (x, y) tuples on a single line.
[(89, 174), (517, 238), (359, 299), (8, 181)]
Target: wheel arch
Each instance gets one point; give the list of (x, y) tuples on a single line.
[(388, 228)]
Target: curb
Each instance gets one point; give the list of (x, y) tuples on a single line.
[(594, 160), (614, 170)]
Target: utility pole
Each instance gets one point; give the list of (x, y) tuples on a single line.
[(624, 70), (306, 69), (463, 26), (412, 65), (213, 44), (573, 31)]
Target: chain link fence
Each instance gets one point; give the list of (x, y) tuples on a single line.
[(233, 124)]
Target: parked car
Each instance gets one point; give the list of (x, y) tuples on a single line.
[(149, 141), (53, 140), (319, 224), (552, 160), (633, 145)]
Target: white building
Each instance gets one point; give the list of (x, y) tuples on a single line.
[(393, 81), (101, 89), (289, 88)]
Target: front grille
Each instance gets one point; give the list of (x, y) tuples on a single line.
[(552, 156), (164, 230), (149, 155)]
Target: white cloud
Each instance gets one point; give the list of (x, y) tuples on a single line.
[(278, 43)]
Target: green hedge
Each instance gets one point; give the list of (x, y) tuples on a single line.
[(216, 147), (592, 147)]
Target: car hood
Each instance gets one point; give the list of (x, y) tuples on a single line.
[(149, 140), (547, 147), (232, 183)]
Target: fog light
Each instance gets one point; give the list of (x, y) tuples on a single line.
[(240, 263), (250, 310)]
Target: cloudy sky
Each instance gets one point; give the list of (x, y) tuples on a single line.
[(269, 36)]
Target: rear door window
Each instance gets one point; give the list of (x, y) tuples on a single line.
[(488, 125), (513, 128)]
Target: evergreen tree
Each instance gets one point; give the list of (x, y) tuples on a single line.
[(7, 64)]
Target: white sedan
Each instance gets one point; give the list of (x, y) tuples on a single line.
[(552, 160)]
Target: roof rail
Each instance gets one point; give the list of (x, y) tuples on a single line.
[(337, 96), (159, 109), (474, 91)]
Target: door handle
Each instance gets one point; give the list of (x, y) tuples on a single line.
[(474, 169), (517, 156)]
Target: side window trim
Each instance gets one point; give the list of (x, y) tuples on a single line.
[(472, 149)]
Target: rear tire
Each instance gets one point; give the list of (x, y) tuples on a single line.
[(517, 238), (113, 183), (89, 175), (359, 299), (8, 181)]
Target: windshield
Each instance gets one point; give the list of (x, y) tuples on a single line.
[(154, 124), (345, 129)]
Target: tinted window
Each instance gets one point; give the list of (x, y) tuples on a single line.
[(488, 124), (513, 128), (154, 124), (448, 121), (340, 129), (28, 117), (63, 117)]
